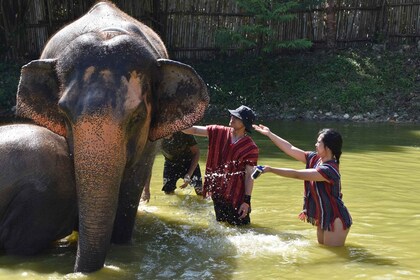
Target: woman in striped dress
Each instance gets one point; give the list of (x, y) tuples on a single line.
[(323, 205)]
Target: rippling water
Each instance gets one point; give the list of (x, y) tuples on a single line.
[(176, 236)]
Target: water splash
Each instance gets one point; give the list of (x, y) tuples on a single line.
[(204, 234), (257, 244)]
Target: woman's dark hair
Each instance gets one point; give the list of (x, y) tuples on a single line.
[(332, 139)]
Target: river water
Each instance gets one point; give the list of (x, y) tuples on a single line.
[(176, 236)]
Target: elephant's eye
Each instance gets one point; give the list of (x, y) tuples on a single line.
[(146, 87), (63, 105), (136, 118), (139, 115)]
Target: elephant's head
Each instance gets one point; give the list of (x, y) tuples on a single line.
[(110, 96)]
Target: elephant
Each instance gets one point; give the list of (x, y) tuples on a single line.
[(38, 202), (105, 82)]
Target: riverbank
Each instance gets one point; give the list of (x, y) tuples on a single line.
[(368, 85), (214, 113), (270, 114)]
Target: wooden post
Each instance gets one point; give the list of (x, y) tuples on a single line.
[(331, 25), (157, 22)]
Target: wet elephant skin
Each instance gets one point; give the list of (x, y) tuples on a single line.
[(105, 83), (38, 202)]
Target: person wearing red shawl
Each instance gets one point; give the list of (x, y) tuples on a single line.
[(232, 156)]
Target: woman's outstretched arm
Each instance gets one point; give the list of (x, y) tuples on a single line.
[(281, 143), (310, 174)]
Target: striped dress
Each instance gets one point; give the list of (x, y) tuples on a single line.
[(226, 162), (323, 200)]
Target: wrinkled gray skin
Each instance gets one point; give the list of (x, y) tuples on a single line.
[(37, 189), (104, 83)]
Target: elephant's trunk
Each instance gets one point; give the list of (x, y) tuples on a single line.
[(99, 157)]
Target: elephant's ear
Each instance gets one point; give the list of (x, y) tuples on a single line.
[(181, 99), (38, 95)]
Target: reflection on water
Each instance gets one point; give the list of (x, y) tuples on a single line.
[(176, 236)]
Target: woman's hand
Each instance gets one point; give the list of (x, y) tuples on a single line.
[(262, 129), (266, 169)]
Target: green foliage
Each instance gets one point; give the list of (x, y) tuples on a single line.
[(344, 82), (260, 32), (351, 81), (266, 10), (8, 84)]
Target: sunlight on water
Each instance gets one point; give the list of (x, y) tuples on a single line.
[(177, 237), (263, 244)]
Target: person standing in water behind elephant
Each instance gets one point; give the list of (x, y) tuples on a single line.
[(181, 154), (323, 205), (232, 155)]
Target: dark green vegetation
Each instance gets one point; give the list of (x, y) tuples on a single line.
[(259, 34), (9, 79), (288, 86)]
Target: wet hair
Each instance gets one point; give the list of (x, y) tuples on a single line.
[(332, 139)]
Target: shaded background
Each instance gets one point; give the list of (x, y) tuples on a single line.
[(189, 27)]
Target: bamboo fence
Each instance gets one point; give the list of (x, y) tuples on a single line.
[(189, 27)]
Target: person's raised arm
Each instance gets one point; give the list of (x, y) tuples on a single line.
[(310, 174), (281, 143), (196, 130)]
